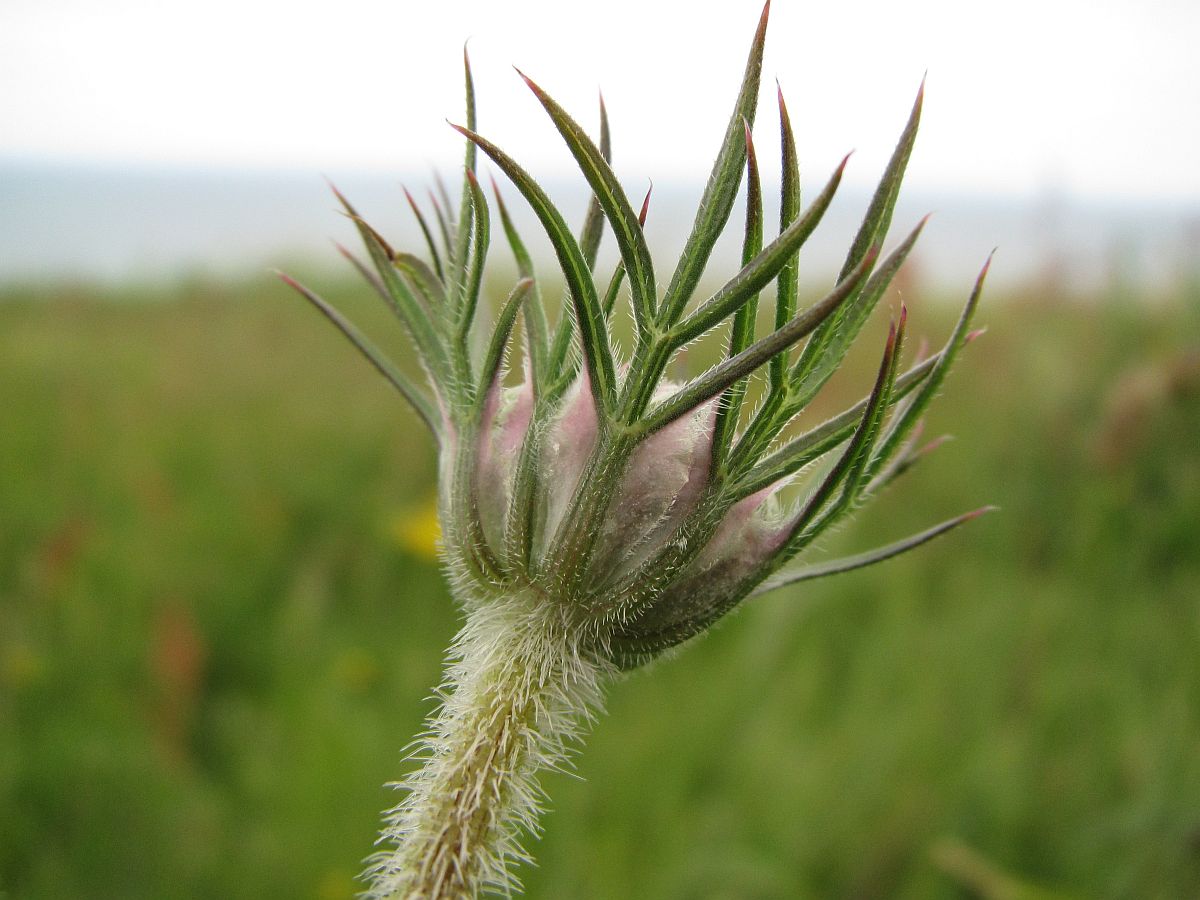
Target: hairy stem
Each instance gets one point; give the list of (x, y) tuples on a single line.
[(518, 689)]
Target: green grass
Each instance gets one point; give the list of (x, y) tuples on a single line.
[(213, 648)]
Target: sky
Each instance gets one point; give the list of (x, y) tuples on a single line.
[(1098, 99)]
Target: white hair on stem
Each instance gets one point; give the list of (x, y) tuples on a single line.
[(518, 693)]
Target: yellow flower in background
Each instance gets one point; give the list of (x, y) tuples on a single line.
[(416, 529)]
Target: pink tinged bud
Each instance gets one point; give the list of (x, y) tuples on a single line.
[(662, 483), (515, 424), (567, 448), (750, 534), (505, 420)]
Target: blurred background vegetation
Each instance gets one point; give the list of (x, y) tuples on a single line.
[(220, 610)]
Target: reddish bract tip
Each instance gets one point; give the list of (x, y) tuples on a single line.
[(975, 514), (495, 188), (645, 205), (529, 81), (972, 335), (842, 165), (412, 201), (333, 187), (982, 277), (783, 110), (934, 444), (749, 139), (384, 245), (289, 280)]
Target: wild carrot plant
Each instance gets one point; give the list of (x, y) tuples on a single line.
[(597, 515)]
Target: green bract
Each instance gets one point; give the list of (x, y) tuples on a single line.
[(621, 511)]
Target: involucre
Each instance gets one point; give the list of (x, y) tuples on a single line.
[(598, 514)]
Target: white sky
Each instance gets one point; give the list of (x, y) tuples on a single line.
[(1099, 98)]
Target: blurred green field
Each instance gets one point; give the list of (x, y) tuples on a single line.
[(218, 625)]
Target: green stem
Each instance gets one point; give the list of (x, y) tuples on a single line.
[(518, 688)]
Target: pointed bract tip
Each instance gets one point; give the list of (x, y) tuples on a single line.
[(495, 188), (529, 81), (842, 165), (976, 513), (333, 187), (972, 335), (383, 244), (903, 314), (645, 205), (979, 280), (934, 444), (749, 132), (465, 132), (288, 280), (471, 177)]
